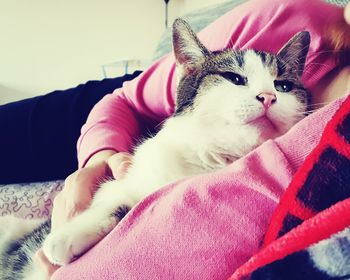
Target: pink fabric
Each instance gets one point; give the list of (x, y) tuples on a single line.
[(117, 120), (207, 226)]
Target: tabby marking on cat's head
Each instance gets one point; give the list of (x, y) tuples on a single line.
[(244, 87)]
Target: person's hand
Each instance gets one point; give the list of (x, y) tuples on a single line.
[(81, 185), (78, 192)]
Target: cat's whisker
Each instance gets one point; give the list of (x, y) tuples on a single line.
[(231, 42), (330, 51), (310, 64), (316, 63), (306, 112), (318, 104)]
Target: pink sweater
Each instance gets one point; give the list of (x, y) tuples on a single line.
[(204, 227), (117, 120)]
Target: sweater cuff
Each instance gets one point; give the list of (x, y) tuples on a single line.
[(101, 137)]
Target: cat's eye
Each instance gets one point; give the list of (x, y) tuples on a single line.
[(235, 78), (283, 86)]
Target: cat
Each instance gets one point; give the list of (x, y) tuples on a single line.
[(228, 103)]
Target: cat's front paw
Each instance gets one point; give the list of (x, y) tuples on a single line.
[(65, 245)]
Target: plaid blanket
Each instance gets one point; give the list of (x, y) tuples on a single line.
[(309, 234)]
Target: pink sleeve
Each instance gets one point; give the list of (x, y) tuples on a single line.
[(119, 118)]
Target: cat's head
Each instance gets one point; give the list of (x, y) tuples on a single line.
[(245, 87)]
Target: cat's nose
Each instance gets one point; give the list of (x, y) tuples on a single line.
[(267, 99)]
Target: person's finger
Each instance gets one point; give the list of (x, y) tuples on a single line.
[(80, 196), (119, 163), (47, 267), (82, 186), (77, 193), (69, 202), (57, 218)]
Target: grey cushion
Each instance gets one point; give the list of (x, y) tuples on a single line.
[(201, 18), (341, 3), (198, 20)]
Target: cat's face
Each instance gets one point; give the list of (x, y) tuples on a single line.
[(246, 88)]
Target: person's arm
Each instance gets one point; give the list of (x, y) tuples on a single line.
[(120, 118)]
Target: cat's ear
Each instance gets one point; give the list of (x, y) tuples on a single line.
[(295, 51), (189, 51)]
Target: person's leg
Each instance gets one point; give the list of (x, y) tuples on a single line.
[(38, 135)]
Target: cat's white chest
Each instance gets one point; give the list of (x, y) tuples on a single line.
[(178, 152)]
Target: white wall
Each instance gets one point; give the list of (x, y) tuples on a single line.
[(50, 44), (185, 6)]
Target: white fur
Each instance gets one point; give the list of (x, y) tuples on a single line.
[(216, 132), (13, 228)]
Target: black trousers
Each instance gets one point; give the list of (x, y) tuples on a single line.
[(38, 135)]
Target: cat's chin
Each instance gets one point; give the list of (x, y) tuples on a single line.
[(263, 122), (266, 127)]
